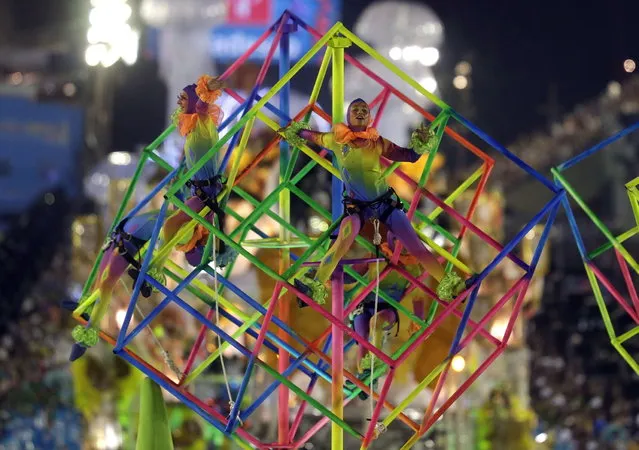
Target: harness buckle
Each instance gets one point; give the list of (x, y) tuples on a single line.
[(107, 244)]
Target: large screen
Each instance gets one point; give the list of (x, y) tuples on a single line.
[(248, 19), (40, 146)]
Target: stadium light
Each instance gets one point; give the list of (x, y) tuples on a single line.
[(110, 37)]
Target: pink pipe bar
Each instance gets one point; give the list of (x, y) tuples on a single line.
[(242, 59), (442, 409), (515, 313), (269, 56), (602, 278), (417, 284), (368, 437), (375, 101), (338, 322), (437, 392), (196, 347), (431, 328), (493, 311), (623, 264)]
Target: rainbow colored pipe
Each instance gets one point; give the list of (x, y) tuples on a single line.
[(268, 323), (629, 301)]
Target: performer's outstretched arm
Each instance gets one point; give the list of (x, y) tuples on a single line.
[(297, 134), (396, 153)]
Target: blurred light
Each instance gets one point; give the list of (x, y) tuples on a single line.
[(629, 65), (318, 225), (130, 49), (16, 78), (110, 37), (94, 54), (531, 234), (541, 438), (49, 88), (49, 198), (120, 158), (109, 439), (395, 53), (463, 68), (119, 317), (69, 89), (78, 228), (100, 179), (460, 82), (30, 78), (429, 83), (411, 53), (614, 89), (429, 56), (458, 363), (154, 13), (499, 328)]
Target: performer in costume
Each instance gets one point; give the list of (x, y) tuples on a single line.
[(395, 285), (196, 118), (359, 149), (120, 252)]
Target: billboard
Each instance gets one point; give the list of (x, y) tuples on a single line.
[(40, 145), (247, 20)]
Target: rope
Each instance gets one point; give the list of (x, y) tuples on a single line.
[(217, 324), (167, 358), (377, 238)]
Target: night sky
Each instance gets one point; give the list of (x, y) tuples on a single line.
[(518, 49)]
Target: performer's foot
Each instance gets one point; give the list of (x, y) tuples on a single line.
[(77, 351), (450, 286), (305, 290), (470, 281), (84, 337), (312, 288), (146, 290)]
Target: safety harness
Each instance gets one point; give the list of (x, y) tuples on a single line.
[(389, 198), (210, 201), (118, 240)]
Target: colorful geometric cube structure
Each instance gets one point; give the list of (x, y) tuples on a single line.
[(265, 325), (628, 300)]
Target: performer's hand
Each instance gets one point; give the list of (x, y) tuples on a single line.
[(214, 84), (423, 140), (423, 133)]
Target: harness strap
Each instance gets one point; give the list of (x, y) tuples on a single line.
[(209, 201), (354, 206)]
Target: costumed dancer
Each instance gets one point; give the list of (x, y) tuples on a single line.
[(120, 252), (363, 317), (197, 118), (359, 149)]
